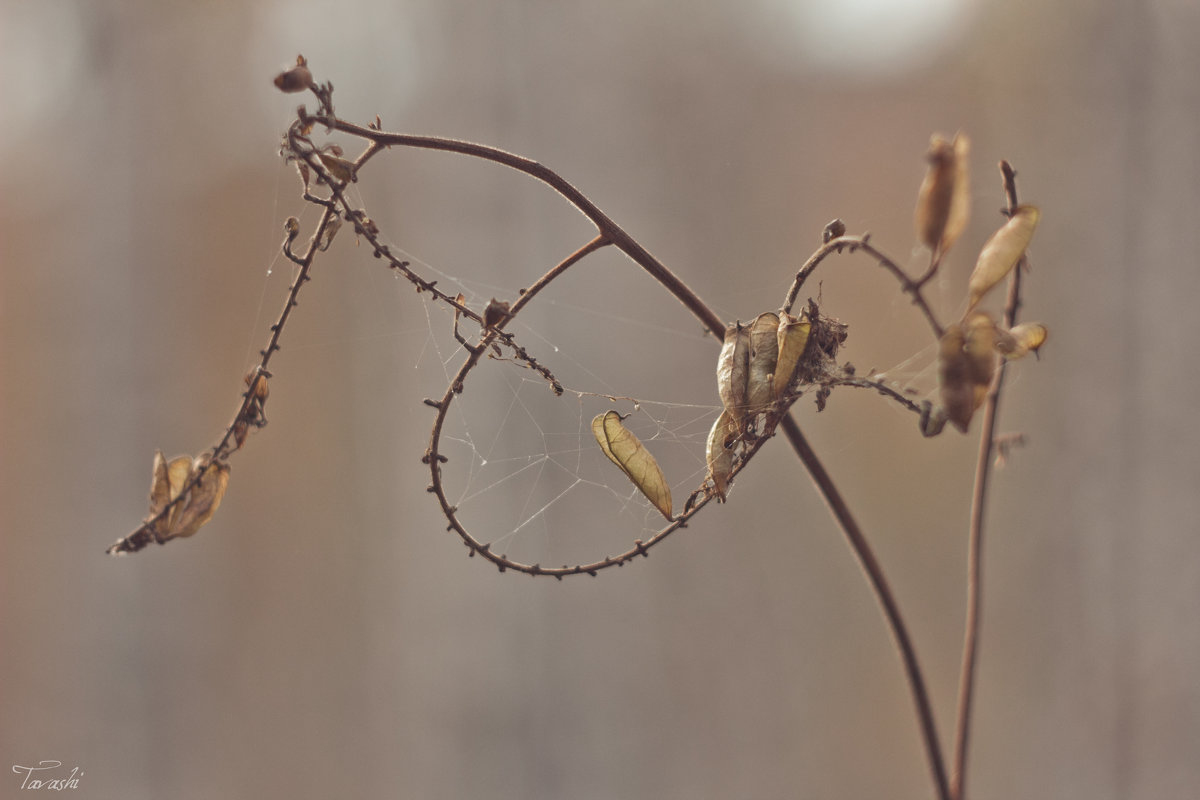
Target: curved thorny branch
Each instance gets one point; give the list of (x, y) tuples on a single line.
[(185, 492)]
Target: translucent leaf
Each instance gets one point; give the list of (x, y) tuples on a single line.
[(1002, 252), (1021, 340), (720, 457), (792, 339), (764, 352), (733, 367), (626, 451)]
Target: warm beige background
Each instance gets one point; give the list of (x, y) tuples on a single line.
[(324, 636)]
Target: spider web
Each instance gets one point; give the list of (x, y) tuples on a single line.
[(524, 470)]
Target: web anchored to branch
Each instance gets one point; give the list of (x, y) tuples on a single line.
[(509, 442)]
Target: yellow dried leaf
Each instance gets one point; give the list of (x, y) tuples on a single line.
[(792, 339), (625, 450), (764, 352), (1002, 252), (1021, 340), (720, 457), (733, 367)]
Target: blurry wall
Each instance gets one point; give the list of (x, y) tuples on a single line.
[(324, 636)]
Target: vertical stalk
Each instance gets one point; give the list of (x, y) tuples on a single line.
[(974, 613)]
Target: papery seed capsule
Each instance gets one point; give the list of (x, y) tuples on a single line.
[(720, 457), (936, 192), (764, 352), (1002, 252), (733, 366), (792, 339)]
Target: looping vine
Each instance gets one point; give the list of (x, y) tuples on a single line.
[(186, 491)]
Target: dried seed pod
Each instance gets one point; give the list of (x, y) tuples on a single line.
[(720, 456), (256, 381), (792, 338), (966, 363), (943, 202), (764, 352), (338, 167), (1021, 340), (733, 367), (296, 79), (954, 380), (979, 343), (495, 313), (204, 498), (625, 450), (937, 189), (1002, 252), (201, 502)]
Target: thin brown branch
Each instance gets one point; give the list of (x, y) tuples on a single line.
[(850, 244), (607, 228), (974, 611), (875, 575), (228, 443)]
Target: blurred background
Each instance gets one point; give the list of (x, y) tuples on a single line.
[(325, 636)]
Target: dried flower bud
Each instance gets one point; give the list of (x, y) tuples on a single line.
[(296, 79), (832, 231), (496, 313)]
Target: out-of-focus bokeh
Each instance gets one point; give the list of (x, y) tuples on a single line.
[(324, 636)]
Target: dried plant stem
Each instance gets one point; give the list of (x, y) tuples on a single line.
[(611, 232), (852, 243), (975, 536), (866, 557)]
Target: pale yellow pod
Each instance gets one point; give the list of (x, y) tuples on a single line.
[(792, 339), (1002, 252), (764, 352), (733, 367), (625, 450), (720, 457), (1023, 339)]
